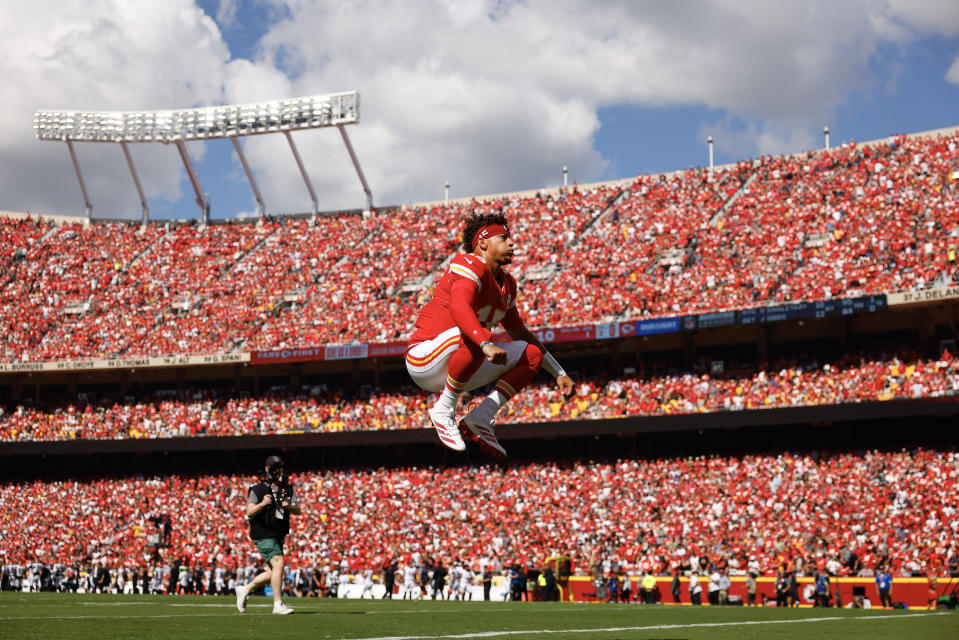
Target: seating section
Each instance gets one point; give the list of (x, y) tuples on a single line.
[(632, 262), (652, 392), (843, 223), (43, 271), (356, 294), (844, 513), (840, 223), (849, 222)]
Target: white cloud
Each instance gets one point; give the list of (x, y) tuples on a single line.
[(491, 96), (98, 55), (931, 16), (496, 97), (953, 74), (226, 13)]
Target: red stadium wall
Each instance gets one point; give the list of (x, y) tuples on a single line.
[(912, 591)]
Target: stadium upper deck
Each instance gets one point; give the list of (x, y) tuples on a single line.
[(653, 392), (855, 220)]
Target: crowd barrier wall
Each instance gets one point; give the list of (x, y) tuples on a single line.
[(913, 592)]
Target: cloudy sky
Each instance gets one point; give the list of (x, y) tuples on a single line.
[(492, 96)]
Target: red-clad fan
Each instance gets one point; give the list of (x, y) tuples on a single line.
[(452, 348)]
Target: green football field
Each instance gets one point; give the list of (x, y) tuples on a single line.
[(79, 617)]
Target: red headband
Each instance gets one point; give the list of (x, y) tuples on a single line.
[(489, 231)]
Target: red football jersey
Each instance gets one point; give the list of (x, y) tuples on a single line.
[(492, 299)]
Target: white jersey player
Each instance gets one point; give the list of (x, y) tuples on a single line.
[(466, 584), (367, 584), (219, 580), (409, 581), (454, 587)]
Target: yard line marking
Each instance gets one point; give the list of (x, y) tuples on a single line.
[(165, 604), (493, 634), (453, 611), (188, 615), (225, 606), (218, 606)]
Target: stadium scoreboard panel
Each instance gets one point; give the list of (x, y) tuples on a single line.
[(807, 310), (785, 313)]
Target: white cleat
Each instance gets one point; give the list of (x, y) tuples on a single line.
[(446, 429), (241, 595), (482, 434), (282, 609)]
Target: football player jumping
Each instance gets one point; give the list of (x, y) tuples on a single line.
[(452, 348)]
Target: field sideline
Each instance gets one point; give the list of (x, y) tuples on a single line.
[(99, 617)]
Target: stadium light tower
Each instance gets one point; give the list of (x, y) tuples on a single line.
[(565, 174), (87, 205), (181, 126), (709, 141), (446, 197), (825, 132)]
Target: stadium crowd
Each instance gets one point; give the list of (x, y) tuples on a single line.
[(652, 391), (842, 223), (613, 270), (850, 221), (845, 514), (357, 295)]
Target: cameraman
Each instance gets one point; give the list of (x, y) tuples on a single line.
[(270, 504)]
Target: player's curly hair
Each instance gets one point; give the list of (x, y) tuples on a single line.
[(476, 221)]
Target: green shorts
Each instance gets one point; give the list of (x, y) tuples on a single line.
[(269, 547)]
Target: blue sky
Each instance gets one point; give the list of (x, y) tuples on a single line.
[(493, 96), (914, 97)]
